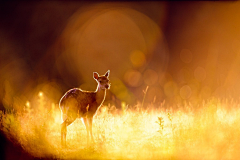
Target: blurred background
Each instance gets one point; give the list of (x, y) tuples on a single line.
[(183, 51)]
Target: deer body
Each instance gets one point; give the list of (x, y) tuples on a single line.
[(78, 103)]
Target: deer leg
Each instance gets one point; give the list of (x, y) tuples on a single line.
[(90, 128), (87, 128), (63, 133), (64, 125)]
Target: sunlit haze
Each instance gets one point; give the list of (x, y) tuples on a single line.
[(175, 70)]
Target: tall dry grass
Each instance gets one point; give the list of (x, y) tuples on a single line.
[(210, 130)]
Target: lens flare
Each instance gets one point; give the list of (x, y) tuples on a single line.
[(133, 78), (40, 94), (137, 58), (28, 104)]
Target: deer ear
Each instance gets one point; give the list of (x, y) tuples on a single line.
[(107, 73), (95, 75)]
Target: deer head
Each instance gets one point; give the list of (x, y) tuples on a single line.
[(103, 81)]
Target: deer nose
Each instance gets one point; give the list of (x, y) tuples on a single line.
[(106, 86)]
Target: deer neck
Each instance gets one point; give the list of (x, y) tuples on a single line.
[(100, 95)]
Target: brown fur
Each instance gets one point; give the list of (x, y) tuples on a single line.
[(78, 103)]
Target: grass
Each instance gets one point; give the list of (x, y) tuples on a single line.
[(209, 131)]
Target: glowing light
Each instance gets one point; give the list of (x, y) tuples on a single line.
[(27, 104), (40, 94), (137, 58), (133, 78), (43, 129), (93, 34), (186, 55)]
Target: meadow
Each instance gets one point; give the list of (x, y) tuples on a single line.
[(209, 130)]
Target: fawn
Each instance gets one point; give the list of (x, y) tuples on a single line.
[(77, 103)]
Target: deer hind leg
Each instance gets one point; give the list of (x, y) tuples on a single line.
[(64, 125), (69, 114)]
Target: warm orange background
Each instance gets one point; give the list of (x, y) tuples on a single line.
[(181, 50)]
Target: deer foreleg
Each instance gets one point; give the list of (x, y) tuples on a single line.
[(63, 133), (87, 128), (90, 127)]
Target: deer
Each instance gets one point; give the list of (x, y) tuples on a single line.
[(77, 103)]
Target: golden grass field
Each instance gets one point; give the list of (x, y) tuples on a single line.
[(210, 130)]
